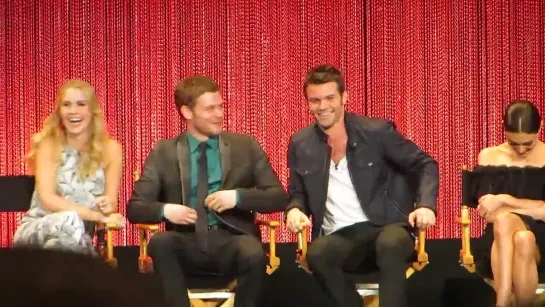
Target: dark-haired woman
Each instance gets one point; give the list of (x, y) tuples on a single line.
[(511, 194)]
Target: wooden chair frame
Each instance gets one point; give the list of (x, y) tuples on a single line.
[(107, 252), (368, 292)]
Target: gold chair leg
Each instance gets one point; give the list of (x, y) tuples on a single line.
[(370, 301), (110, 259), (112, 262), (145, 263)]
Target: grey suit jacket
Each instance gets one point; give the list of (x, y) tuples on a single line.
[(245, 167)]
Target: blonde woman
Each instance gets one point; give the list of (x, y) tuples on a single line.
[(78, 172)]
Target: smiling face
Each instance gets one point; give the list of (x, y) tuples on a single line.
[(75, 112), (326, 103), (205, 118)]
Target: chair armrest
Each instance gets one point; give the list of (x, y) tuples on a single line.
[(421, 255), (109, 226), (113, 226), (466, 258), (420, 245), (109, 256), (420, 248), (142, 229), (274, 261), (145, 264), (301, 252), (267, 223), (150, 227)]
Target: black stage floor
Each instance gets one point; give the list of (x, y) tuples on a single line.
[(442, 283)]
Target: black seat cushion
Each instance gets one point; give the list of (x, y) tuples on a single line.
[(16, 193)]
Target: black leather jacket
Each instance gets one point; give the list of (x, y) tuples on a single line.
[(390, 174)]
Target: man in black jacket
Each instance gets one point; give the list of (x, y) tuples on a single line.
[(366, 186), (206, 185)]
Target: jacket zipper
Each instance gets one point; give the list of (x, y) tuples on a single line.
[(324, 195), (327, 166), (395, 204)]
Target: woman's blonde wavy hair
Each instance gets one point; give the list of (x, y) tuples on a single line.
[(91, 156)]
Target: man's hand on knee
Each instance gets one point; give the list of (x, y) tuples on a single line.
[(422, 218)]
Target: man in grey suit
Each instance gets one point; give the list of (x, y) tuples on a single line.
[(206, 185)]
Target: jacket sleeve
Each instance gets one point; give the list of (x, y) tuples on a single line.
[(296, 190), (143, 206), (410, 157), (267, 195)]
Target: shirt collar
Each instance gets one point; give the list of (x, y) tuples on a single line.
[(349, 126), (194, 143)]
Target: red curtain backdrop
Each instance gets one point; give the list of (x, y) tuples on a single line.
[(442, 70)]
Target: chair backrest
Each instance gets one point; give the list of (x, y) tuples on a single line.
[(468, 195), (16, 193)]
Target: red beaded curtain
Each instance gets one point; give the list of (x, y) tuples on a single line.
[(443, 70)]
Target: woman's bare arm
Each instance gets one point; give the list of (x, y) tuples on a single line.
[(113, 173)]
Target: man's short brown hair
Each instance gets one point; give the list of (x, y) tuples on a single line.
[(325, 74), (189, 89)]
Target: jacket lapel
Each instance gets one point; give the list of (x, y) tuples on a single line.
[(182, 151), (225, 154)]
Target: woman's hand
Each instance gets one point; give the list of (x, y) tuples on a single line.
[(104, 205), (488, 204)]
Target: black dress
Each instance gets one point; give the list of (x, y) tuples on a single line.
[(519, 182)]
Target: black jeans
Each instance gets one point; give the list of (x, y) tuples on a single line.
[(174, 253), (389, 248)]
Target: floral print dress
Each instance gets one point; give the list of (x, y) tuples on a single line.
[(63, 230)]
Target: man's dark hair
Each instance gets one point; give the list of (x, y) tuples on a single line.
[(189, 89), (325, 74)]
